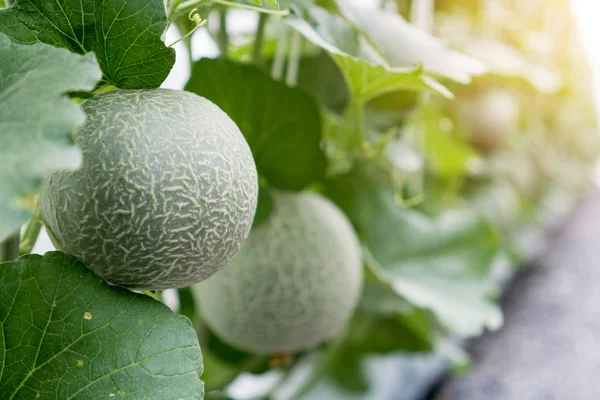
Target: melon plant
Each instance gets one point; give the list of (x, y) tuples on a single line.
[(145, 174), (294, 284), (166, 193)]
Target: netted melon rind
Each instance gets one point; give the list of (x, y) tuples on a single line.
[(166, 195), (294, 284)]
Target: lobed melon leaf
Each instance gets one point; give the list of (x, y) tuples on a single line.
[(36, 120), (66, 334), (125, 35), (442, 264), (281, 124), (367, 74)]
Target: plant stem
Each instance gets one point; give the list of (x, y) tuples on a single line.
[(187, 37), (222, 37), (178, 7), (53, 239), (9, 249), (356, 114), (280, 50), (258, 42), (32, 231), (422, 13), (250, 7), (294, 59), (173, 4), (7, 3)]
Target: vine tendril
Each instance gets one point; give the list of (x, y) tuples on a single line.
[(195, 17)]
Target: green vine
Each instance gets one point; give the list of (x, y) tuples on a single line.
[(250, 7), (194, 16), (258, 42), (280, 51), (181, 7), (32, 231), (294, 59), (222, 35), (355, 112)]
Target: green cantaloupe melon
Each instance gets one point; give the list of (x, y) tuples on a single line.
[(166, 194), (294, 284), (490, 118)]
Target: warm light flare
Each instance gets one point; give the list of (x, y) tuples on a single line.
[(586, 13)]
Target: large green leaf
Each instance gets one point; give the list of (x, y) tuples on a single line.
[(36, 119), (386, 334), (125, 35), (264, 206), (367, 74), (66, 334), (405, 45), (413, 328), (442, 264), (281, 124), (320, 75)]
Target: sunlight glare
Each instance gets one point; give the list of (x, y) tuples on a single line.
[(586, 14)]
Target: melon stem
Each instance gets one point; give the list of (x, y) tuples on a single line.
[(222, 35), (32, 231), (280, 51), (294, 59), (258, 41)]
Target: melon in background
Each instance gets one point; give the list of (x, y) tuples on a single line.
[(294, 284)]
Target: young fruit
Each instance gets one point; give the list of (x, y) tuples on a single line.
[(294, 284), (166, 194), (490, 118)]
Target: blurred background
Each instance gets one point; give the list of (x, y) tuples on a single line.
[(585, 13), (520, 145), (530, 156)]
